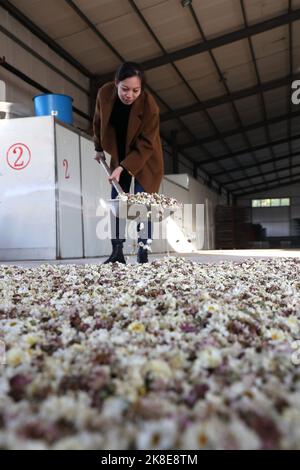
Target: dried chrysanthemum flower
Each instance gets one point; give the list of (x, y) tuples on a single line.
[(206, 353), (150, 199)]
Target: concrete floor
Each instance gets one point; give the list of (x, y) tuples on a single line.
[(203, 256)]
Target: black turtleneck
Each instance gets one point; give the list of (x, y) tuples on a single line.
[(119, 119)]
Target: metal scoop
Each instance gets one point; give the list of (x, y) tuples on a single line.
[(121, 208)]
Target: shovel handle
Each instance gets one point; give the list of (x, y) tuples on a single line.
[(106, 168)]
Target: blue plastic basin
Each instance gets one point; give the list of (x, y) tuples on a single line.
[(56, 105)]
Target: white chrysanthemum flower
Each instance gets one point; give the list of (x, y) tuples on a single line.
[(31, 340), (216, 339), (136, 327), (15, 357), (158, 369), (208, 358), (157, 435), (68, 408), (113, 408), (276, 335), (294, 324)]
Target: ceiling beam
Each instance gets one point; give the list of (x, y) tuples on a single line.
[(261, 95), (33, 28), (42, 59), (234, 96), (254, 149), (281, 185), (93, 28), (268, 182), (222, 80), (239, 130), (258, 175), (261, 163), (214, 43)]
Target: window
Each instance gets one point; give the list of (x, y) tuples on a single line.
[(285, 201), (275, 202), (265, 202), (255, 203)]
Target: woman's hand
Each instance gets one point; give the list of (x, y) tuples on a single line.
[(116, 174)]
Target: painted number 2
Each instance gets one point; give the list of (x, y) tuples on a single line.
[(18, 163), (66, 167), (18, 156)]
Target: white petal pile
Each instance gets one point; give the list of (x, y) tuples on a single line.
[(151, 199), (168, 355)]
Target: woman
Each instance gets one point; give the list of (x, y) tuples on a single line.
[(126, 125)]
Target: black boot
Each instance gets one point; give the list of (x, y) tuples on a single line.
[(142, 255), (117, 255)]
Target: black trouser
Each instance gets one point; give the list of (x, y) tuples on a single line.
[(118, 225)]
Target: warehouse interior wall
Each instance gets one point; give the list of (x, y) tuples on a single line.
[(17, 90), (279, 221)]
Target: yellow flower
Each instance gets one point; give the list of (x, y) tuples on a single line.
[(15, 357), (276, 335), (158, 369), (31, 340), (136, 327)]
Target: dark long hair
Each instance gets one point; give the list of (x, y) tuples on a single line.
[(130, 69)]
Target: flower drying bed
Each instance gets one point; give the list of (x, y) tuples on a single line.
[(167, 355)]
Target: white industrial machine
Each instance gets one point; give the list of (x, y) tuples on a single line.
[(53, 196), (44, 166)]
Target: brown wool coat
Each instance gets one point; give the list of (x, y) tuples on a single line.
[(144, 156)]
